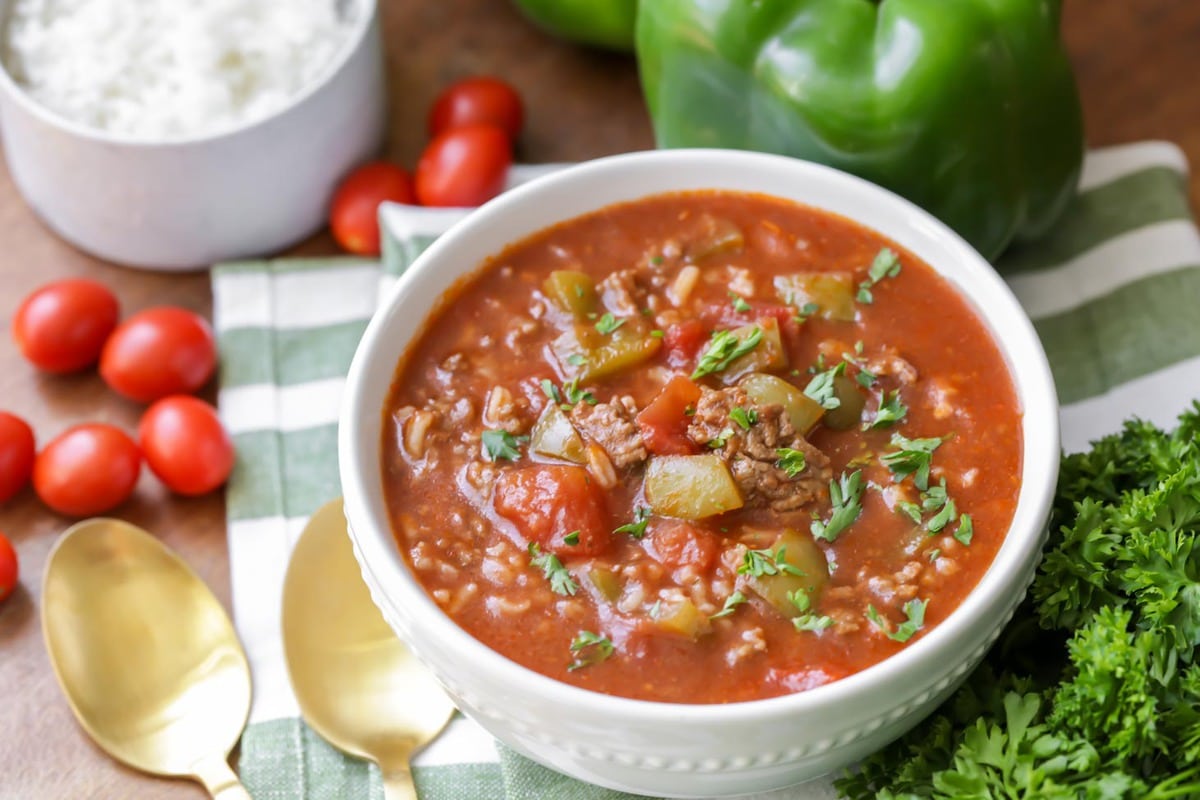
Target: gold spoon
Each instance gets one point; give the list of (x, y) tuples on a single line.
[(358, 686), (145, 654)]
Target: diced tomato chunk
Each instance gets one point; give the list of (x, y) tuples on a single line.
[(664, 422), (548, 503), (683, 341), (675, 543)]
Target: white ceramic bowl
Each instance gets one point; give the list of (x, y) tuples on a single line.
[(692, 750), (187, 203)]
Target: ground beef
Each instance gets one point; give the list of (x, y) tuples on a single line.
[(612, 427), (889, 364), (621, 293), (751, 454)]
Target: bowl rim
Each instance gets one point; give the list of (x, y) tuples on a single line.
[(363, 24), (1033, 386)]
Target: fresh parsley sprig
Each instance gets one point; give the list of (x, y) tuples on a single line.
[(891, 410), (731, 603), (821, 387), (791, 461), (637, 528)]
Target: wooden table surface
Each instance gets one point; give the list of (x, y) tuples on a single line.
[(1137, 65)]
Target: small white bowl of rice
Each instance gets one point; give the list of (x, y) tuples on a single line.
[(174, 134)]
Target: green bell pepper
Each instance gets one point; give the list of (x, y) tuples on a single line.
[(966, 107), (603, 23)]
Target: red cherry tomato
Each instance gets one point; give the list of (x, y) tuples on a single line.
[(87, 470), (353, 215), (463, 167), (16, 455), (185, 445), (62, 326), (9, 571), (474, 101), (159, 352)]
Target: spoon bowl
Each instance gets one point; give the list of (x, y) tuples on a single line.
[(357, 685), (145, 654)]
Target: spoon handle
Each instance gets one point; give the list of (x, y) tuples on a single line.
[(219, 780), (397, 784)]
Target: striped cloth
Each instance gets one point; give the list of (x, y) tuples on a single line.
[(1114, 294)]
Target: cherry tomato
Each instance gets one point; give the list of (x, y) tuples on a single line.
[(185, 445), (463, 167), (62, 326), (9, 571), (353, 215), (474, 101), (87, 470), (16, 455), (158, 352)]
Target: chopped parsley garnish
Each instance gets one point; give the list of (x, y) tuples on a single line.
[(865, 378), (608, 323), (576, 360), (885, 265), (576, 395), (811, 622), (807, 310), (758, 563), (943, 517), (935, 497), (891, 410), (966, 529), (744, 417), (589, 649), (498, 444), (656, 260), (657, 333), (739, 303), (571, 538), (910, 510), (845, 494), (721, 439), (637, 528), (561, 581), (800, 599), (914, 611), (934, 554), (791, 461), (732, 602), (821, 389), (551, 391), (912, 457), (723, 349)]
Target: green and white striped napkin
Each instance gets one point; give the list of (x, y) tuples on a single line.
[(1114, 294)]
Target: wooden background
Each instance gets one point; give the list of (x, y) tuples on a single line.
[(1138, 65)]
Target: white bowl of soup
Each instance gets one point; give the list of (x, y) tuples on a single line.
[(697, 473)]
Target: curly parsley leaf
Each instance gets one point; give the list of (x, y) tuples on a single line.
[(845, 495), (498, 444), (560, 579), (723, 349)]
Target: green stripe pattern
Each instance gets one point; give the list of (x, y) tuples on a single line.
[(1142, 326)]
